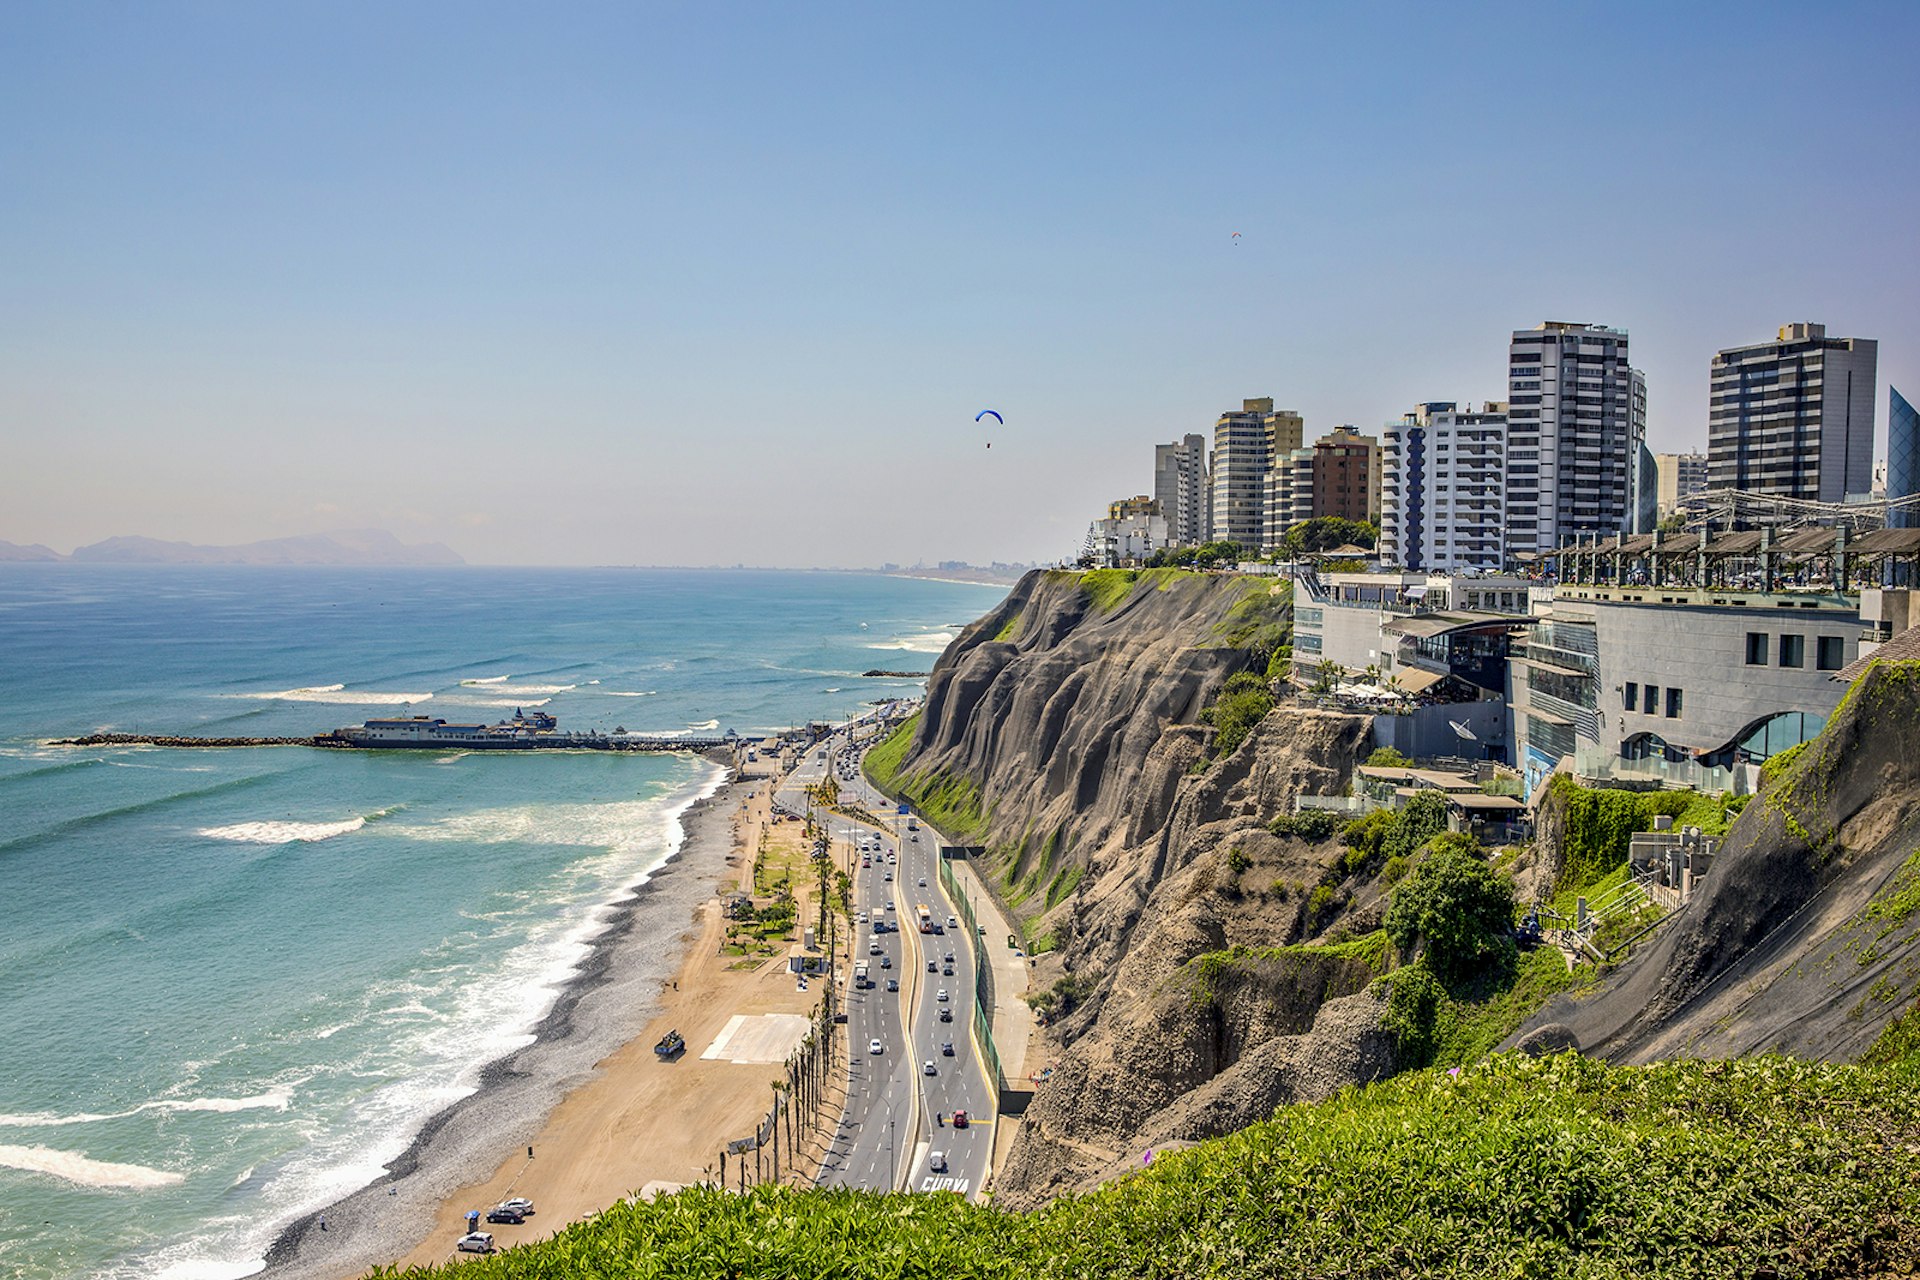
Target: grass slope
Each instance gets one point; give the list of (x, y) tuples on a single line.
[(1514, 1167)]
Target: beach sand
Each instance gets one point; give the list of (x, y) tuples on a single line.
[(605, 1117)]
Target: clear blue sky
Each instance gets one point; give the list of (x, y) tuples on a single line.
[(693, 284)]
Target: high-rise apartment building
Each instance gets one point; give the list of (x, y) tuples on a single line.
[(1903, 459), (1576, 418), (1246, 447), (1443, 488), (1289, 495), (1346, 475), (1793, 418), (1180, 487), (1682, 476)]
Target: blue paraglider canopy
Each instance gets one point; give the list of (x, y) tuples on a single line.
[(989, 413)]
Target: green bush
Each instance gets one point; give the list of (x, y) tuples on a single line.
[(1462, 909), (1388, 758), (1243, 702), (1237, 860), (1308, 824), (1414, 1000)]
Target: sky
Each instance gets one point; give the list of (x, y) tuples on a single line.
[(706, 283)]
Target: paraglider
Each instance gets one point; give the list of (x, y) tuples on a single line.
[(1236, 238), (990, 413)]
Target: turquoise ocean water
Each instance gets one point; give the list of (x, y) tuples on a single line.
[(233, 983)]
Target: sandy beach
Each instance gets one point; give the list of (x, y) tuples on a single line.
[(603, 1115)]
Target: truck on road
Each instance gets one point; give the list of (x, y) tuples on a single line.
[(860, 979)]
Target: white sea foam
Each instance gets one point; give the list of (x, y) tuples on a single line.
[(276, 1099), (705, 724), (488, 680), (283, 832), (499, 685), (456, 700), (336, 693), (831, 689), (85, 1172), (924, 642), (621, 693)]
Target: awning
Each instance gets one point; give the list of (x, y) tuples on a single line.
[(1418, 679), (1480, 802)]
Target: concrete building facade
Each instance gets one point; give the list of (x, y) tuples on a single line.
[(1132, 530), (1346, 475), (1794, 418), (1682, 476), (1180, 487), (1246, 447), (1443, 488), (1576, 418)]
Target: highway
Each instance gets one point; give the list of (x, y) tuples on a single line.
[(897, 1115)]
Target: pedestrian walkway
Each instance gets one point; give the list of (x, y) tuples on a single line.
[(1012, 1019)]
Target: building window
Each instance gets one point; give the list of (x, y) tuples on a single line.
[(1756, 648), (1673, 704), (1793, 651), (1633, 694), (1832, 653), (1651, 702)]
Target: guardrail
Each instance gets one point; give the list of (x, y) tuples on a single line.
[(982, 968)]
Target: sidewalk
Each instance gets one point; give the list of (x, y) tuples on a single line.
[(1012, 1019)]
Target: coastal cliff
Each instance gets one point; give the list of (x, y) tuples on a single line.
[(1805, 937), (1189, 949)]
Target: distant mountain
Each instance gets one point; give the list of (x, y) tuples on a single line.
[(14, 552), (348, 547)]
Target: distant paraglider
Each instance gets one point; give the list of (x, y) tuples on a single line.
[(990, 413), (1236, 238)]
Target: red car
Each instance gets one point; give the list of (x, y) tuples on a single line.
[(959, 1119)]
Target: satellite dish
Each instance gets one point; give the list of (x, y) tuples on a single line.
[(1462, 730)]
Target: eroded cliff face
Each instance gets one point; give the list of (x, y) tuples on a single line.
[(1805, 938), (1079, 727)]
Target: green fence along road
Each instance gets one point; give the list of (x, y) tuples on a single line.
[(982, 966)]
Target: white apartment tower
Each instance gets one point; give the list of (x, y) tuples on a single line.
[(1247, 446), (1576, 419), (1180, 488), (1443, 491), (1793, 418)]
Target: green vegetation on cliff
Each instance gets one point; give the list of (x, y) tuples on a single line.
[(1600, 823), (1517, 1167), (950, 803), (1243, 702)]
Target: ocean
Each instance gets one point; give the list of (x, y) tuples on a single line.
[(235, 982)]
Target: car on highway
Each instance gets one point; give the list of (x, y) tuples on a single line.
[(923, 882), (949, 957), (937, 1161), (960, 1120), (893, 984), (930, 966), (952, 924), (929, 1069), (874, 1046), (886, 962), (946, 1048), (946, 971), (889, 877), (873, 948), (946, 1014), (942, 997)]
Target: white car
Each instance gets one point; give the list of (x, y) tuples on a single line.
[(475, 1242), (873, 948), (942, 997), (929, 1069), (874, 1046), (937, 1161)]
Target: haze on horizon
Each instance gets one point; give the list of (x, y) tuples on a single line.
[(699, 284)]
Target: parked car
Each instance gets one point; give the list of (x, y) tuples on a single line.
[(519, 1204), (475, 1242), (502, 1213)]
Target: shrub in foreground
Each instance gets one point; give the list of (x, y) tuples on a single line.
[(1514, 1167)]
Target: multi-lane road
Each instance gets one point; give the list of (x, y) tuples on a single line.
[(899, 1114)]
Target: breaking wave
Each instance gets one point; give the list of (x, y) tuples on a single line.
[(337, 693), (82, 1171)]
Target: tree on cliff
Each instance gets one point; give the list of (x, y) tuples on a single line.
[(1324, 533), (1459, 906)]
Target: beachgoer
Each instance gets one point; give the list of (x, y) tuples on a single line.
[(323, 1222)]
